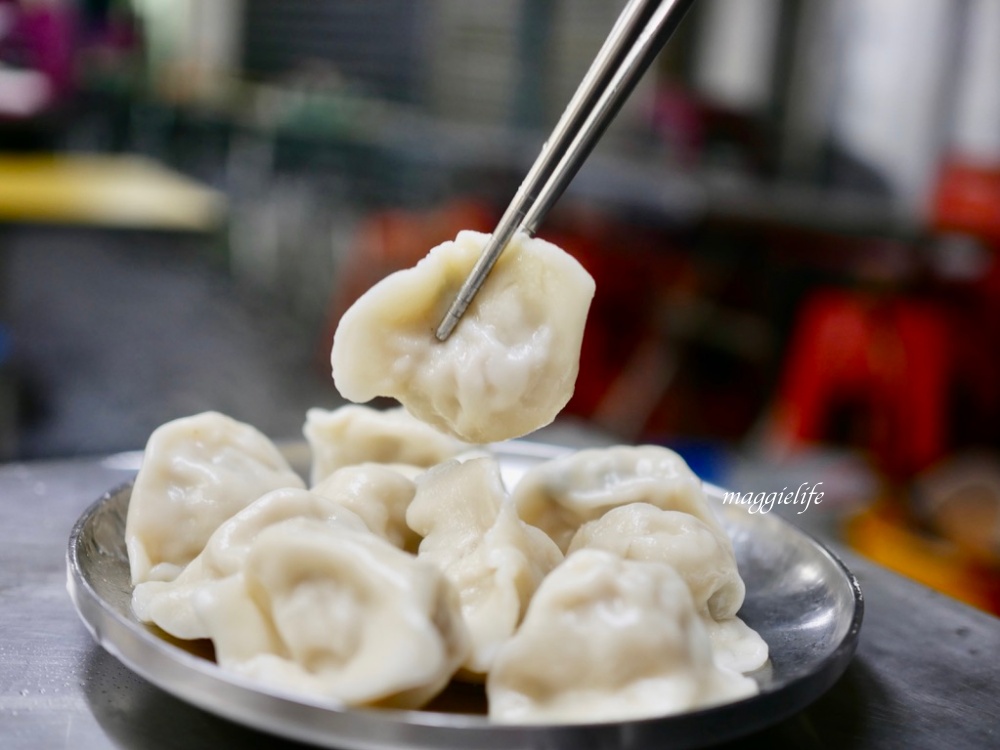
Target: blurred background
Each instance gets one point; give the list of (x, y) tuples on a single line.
[(793, 224)]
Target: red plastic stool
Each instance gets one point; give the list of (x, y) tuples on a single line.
[(889, 359)]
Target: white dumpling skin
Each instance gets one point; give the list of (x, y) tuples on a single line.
[(495, 561), (196, 473), (703, 558), (353, 434), (562, 494), (509, 366), (333, 614), (736, 645), (380, 494), (170, 604), (608, 639)]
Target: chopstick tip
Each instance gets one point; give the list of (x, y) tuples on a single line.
[(448, 324)]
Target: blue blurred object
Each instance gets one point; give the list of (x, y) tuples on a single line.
[(710, 460)]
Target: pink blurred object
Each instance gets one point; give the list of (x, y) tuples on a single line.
[(38, 44)]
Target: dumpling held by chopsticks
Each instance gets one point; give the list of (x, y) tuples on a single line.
[(509, 367)]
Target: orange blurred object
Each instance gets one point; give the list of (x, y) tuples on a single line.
[(886, 535)]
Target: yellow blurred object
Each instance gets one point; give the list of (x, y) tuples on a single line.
[(128, 192), (884, 535)]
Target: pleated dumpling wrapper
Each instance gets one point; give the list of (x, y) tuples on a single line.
[(353, 434), (510, 365), (608, 639), (170, 604), (380, 494), (562, 494), (196, 472), (496, 561), (333, 614), (705, 561)]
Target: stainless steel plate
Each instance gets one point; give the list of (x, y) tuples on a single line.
[(800, 598)]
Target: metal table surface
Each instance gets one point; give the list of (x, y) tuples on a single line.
[(926, 674)]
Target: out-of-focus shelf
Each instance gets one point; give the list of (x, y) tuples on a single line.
[(644, 182), (651, 186), (700, 196)]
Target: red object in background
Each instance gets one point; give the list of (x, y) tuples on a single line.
[(633, 279), (618, 312), (888, 361), (900, 362), (967, 199)]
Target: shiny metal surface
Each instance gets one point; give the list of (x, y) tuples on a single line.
[(802, 600)]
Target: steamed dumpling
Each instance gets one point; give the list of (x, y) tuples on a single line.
[(380, 495), (196, 472), (702, 557), (510, 365), (495, 561), (328, 612), (735, 644), (608, 639), (170, 604), (354, 435), (561, 495)]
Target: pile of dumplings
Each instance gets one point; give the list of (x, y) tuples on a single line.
[(600, 587)]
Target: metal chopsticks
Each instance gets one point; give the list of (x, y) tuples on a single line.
[(637, 36)]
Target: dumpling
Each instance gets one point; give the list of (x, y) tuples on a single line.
[(510, 365), (196, 472), (608, 639), (560, 495), (702, 557), (170, 604), (640, 531), (380, 495), (336, 614), (735, 644), (495, 561), (354, 435)]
